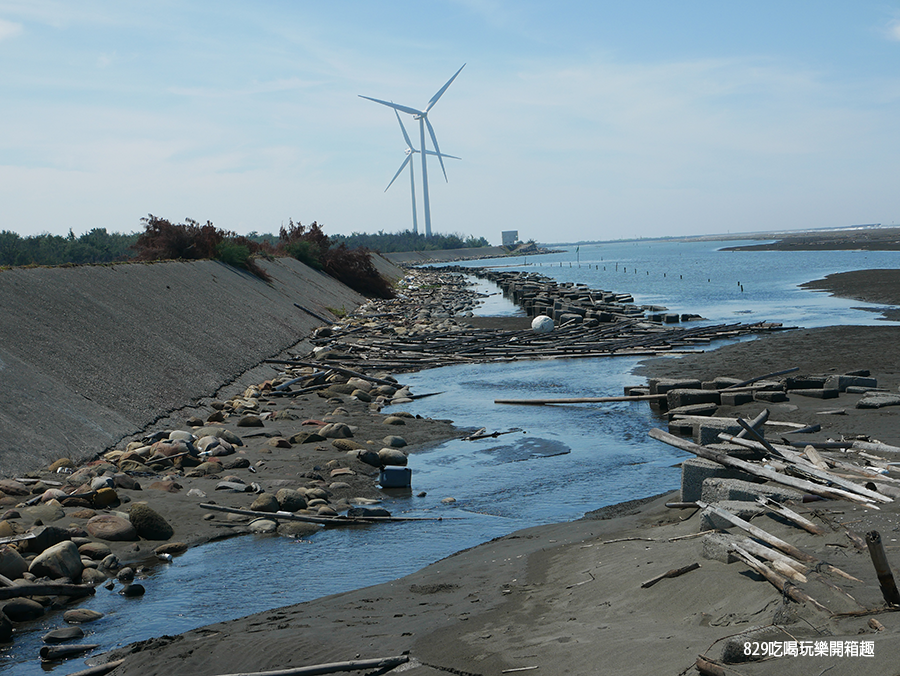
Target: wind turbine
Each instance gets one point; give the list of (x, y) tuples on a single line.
[(422, 117), (410, 151)]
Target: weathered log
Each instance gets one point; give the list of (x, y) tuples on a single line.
[(332, 667), (49, 589), (339, 369), (765, 473), (60, 652), (882, 568), (790, 515), (780, 583), (785, 565), (675, 572), (100, 669), (580, 400), (325, 521), (708, 667), (756, 422), (768, 375)]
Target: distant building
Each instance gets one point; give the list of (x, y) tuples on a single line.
[(510, 237)]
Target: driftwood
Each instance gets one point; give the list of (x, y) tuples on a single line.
[(780, 583), (882, 568), (323, 520), (756, 470), (332, 667), (17, 538), (49, 589), (581, 400), (776, 542), (782, 563), (675, 572), (100, 669), (790, 515), (339, 369), (708, 667), (59, 652), (768, 375)]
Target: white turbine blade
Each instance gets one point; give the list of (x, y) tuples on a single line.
[(403, 129), (431, 152), (438, 153), (402, 167), (395, 106), (434, 99)]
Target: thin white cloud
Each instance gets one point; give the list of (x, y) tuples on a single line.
[(8, 29), (893, 30)]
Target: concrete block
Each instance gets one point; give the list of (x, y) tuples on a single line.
[(740, 452), (717, 547), (681, 428), (817, 393), (716, 489), (707, 432), (695, 470), (878, 401), (663, 385), (773, 396), (692, 409), (805, 383), (841, 383), (735, 398), (744, 510), (687, 396)]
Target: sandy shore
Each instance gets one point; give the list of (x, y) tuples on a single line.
[(567, 598)]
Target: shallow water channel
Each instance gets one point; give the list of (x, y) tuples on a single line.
[(554, 464)]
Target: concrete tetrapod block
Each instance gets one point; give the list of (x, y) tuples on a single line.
[(689, 396), (740, 508), (708, 432), (716, 489), (694, 471)]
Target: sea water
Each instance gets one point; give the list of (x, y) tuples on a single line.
[(550, 464)]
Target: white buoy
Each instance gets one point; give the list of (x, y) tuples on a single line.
[(542, 324)]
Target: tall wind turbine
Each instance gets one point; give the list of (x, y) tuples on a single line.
[(410, 151), (422, 117)]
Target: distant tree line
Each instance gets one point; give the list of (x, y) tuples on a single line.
[(96, 246), (344, 257)]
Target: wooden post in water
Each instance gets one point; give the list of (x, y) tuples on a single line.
[(882, 568)]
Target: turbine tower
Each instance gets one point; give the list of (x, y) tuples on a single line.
[(410, 151), (422, 117)]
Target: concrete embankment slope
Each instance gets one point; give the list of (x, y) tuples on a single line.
[(91, 355)]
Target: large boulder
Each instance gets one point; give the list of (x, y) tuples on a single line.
[(60, 560), (149, 524), (290, 500), (12, 564), (265, 502), (392, 456), (111, 527), (22, 609)]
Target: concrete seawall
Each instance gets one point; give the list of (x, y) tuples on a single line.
[(91, 355)]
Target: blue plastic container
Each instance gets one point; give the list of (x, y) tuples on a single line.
[(395, 477)]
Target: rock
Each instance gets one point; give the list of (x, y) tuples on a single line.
[(394, 441), (181, 435), (6, 628), (12, 564), (392, 456), (110, 562), (44, 537), (194, 421), (92, 576), (250, 421), (81, 615), (347, 445), (105, 497), (262, 526), (336, 431), (47, 512), (298, 529), (132, 590), (265, 502), (221, 433), (134, 466), (125, 575), (233, 486), (173, 548), (111, 527), (149, 524), (167, 486), (307, 438), (369, 457), (95, 550), (290, 500), (361, 395), (83, 513), (22, 610), (279, 442), (102, 482), (448, 501), (13, 487), (60, 560), (393, 420), (236, 463), (65, 463), (64, 634), (122, 480)]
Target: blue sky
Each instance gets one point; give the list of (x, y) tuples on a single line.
[(574, 120)]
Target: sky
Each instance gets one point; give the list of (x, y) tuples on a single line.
[(574, 120)]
